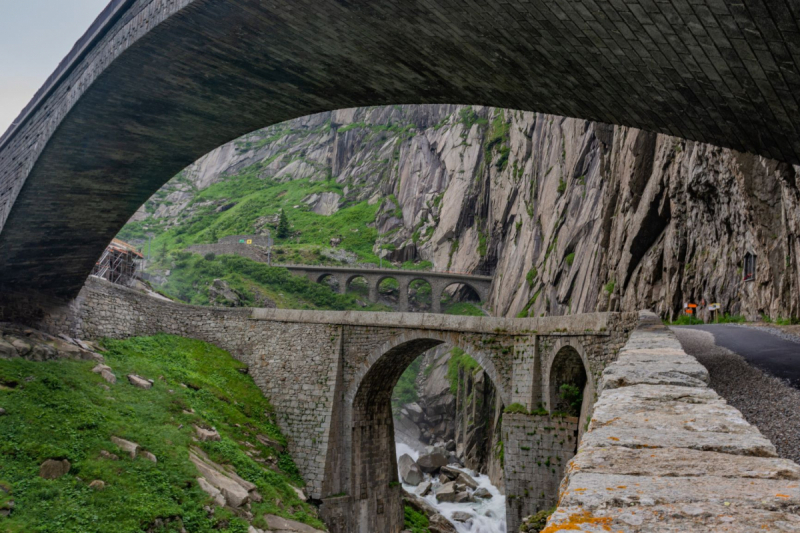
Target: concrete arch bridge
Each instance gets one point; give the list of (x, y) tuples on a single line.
[(330, 376), (155, 84), (438, 281)]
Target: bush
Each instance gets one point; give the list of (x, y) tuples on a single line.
[(210, 256), (687, 320), (531, 277), (562, 186), (516, 408), (570, 259)]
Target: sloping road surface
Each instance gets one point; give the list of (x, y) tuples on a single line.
[(770, 353)]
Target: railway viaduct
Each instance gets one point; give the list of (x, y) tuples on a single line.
[(439, 281), (155, 84)]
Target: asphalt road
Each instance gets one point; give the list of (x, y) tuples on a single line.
[(770, 353)]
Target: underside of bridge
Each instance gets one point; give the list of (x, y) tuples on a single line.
[(166, 81)]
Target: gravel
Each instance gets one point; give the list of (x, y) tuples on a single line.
[(774, 331), (767, 402)]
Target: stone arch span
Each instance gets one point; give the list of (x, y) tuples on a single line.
[(156, 84), (569, 364), (376, 498)]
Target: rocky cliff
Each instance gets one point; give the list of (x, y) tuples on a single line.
[(570, 215)]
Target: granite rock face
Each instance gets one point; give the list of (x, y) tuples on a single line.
[(572, 216)]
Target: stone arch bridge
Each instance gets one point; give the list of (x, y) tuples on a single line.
[(155, 84), (439, 281), (330, 376)]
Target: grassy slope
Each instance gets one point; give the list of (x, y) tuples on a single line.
[(64, 412)]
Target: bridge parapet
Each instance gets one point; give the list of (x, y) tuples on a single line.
[(665, 452)]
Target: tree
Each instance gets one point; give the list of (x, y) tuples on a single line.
[(283, 225)]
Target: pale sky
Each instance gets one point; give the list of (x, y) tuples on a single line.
[(35, 35)]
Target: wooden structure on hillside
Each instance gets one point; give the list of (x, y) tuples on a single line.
[(119, 263)]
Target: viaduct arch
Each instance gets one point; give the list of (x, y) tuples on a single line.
[(155, 84), (439, 281)]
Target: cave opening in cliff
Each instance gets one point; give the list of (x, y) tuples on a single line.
[(426, 418)]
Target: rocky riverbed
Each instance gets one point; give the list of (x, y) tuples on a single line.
[(441, 488)]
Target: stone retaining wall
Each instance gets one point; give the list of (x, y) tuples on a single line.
[(666, 453)]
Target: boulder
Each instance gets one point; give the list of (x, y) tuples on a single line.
[(22, 347), (446, 493), (206, 434), (2, 411), (439, 524), (466, 480), (414, 412), (212, 491), (106, 455), (450, 472), (54, 469), (409, 471), (450, 446), (131, 448), (300, 493), (463, 497), (139, 382), (461, 516), (97, 484), (432, 462), (276, 524), (482, 493), (235, 495), (7, 351), (105, 372), (424, 488)]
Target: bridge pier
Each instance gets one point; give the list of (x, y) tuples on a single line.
[(402, 295)]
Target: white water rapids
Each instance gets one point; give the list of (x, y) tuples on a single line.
[(488, 516)]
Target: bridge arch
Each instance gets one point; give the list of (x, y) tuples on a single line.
[(373, 469), (149, 96), (569, 366)]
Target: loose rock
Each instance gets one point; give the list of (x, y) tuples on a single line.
[(276, 524), (149, 456), (97, 484), (54, 469), (206, 434), (409, 471), (140, 382), (127, 446), (461, 516), (432, 462)]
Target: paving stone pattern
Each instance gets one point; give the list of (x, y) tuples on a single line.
[(170, 80), (666, 453)]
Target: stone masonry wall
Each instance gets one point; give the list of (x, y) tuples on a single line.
[(666, 453), (536, 452), (256, 253)]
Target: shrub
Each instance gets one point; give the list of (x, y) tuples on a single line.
[(516, 408), (562, 186), (570, 259), (210, 256), (531, 277)]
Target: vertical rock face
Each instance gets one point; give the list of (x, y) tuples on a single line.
[(570, 215)]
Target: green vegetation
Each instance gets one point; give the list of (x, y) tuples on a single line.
[(562, 186), (61, 410), (464, 309), (405, 391), (459, 360), (572, 397), (498, 141), (609, 287), (283, 225), (533, 273), (516, 408), (257, 201), (415, 521), (686, 320), (468, 118), (538, 522), (570, 259), (192, 275)]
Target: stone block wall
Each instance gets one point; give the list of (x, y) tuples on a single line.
[(666, 453), (536, 451), (256, 253)]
